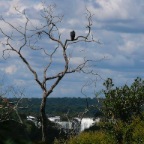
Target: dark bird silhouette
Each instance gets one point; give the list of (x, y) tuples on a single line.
[(72, 35)]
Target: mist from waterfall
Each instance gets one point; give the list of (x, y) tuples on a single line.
[(86, 123), (76, 124)]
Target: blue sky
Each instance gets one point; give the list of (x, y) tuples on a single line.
[(118, 24)]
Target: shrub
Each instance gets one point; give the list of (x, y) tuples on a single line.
[(99, 137), (123, 102), (12, 132), (125, 133), (137, 131)]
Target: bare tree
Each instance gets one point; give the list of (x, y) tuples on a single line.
[(8, 107), (27, 38)]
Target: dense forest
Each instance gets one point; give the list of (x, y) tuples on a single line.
[(60, 106)]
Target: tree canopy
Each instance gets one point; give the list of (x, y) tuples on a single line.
[(123, 102)]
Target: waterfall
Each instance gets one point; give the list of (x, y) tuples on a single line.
[(86, 123), (76, 124)]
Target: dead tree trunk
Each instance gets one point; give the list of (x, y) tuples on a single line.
[(43, 118)]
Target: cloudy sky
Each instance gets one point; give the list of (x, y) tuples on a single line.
[(117, 24)]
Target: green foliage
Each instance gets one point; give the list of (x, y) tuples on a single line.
[(123, 102), (136, 131), (59, 106), (125, 133), (12, 132), (123, 106), (32, 131), (99, 137)]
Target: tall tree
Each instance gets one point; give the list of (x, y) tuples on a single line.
[(123, 102), (28, 37)]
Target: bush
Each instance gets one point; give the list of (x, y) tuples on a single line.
[(125, 133), (12, 132), (99, 137), (123, 102), (32, 131), (137, 131)]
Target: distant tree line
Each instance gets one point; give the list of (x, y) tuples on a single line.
[(60, 106)]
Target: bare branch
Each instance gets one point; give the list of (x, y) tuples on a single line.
[(87, 37), (46, 68)]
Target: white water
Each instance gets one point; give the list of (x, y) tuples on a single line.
[(86, 123), (54, 119), (80, 125)]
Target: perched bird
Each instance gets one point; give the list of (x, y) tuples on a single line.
[(72, 35)]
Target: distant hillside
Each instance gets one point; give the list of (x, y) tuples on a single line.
[(59, 106)]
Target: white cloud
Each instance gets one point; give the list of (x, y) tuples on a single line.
[(76, 60), (11, 69), (38, 6), (115, 9), (120, 60), (132, 44), (74, 22), (129, 47), (109, 9)]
